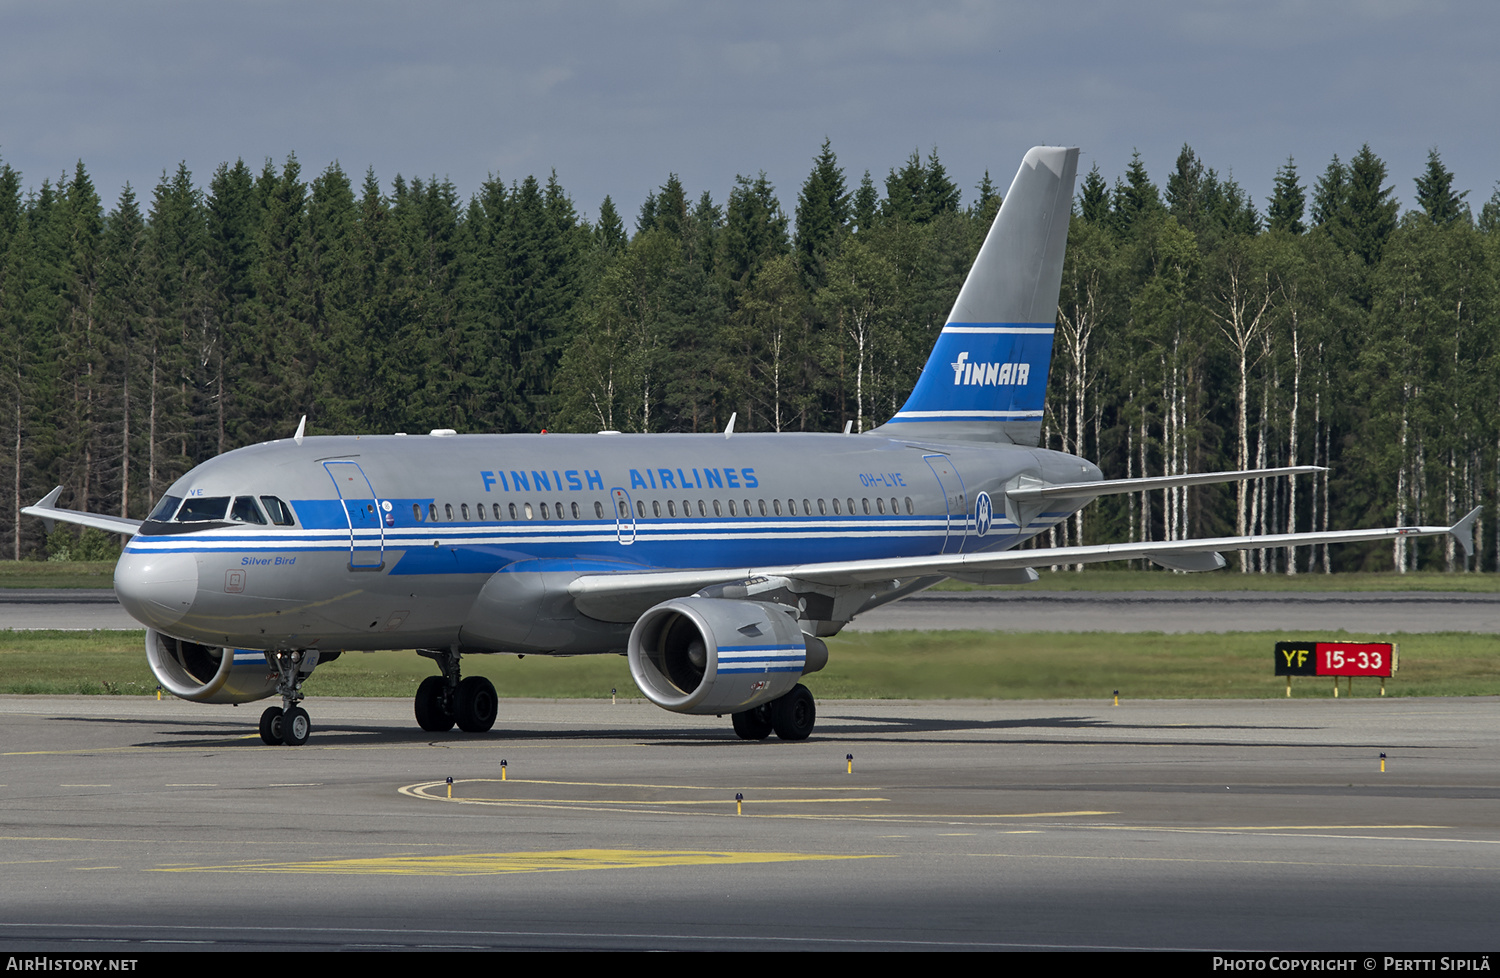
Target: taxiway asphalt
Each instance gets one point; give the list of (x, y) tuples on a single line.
[(128, 824)]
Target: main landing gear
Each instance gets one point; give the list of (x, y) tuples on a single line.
[(791, 716), (288, 723), (444, 700)]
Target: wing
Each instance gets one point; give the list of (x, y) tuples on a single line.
[(50, 514), (624, 596)]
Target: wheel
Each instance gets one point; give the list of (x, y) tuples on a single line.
[(793, 715), (295, 726), (476, 705), (270, 726), (431, 715), (754, 723)]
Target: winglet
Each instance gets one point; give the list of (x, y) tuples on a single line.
[(1463, 531), (48, 501), (729, 428), (301, 429)]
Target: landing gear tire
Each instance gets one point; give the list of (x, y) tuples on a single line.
[(295, 726), (431, 714), (754, 723), (476, 705), (270, 726), (793, 715)]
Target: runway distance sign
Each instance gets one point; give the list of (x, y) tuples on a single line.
[(1336, 659)]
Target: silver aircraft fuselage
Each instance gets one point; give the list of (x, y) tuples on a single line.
[(437, 541)]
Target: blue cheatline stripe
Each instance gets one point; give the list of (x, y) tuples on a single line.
[(984, 372), (761, 658)]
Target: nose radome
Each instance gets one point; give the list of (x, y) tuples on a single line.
[(156, 589)]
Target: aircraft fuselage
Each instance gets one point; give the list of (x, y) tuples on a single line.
[(438, 541)]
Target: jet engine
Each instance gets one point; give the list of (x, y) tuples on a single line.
[(207, 674), (719, 655)]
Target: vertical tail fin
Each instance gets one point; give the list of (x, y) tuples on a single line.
[(986, 378)]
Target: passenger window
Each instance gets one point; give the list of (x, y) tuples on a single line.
[(545, 514), (640, 508), (866, 505), (245, 511), (687, 508), (836, 506), (806, 507), (762, 507), (448, 511), (776, 505), (671, 507), (432, 512), (909, 510), (895, 507), (731, 508), (822, 507), (498, 517), (747, 507), (529, 514), (416, 512), (656, 508), (576, 515), (851, 506), (791, 507), (880, 505), (624, 510), (598, 510), (702, 510), (464, 508), (560, 511), (513, 511)]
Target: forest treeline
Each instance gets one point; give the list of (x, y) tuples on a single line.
[(1195, 330)]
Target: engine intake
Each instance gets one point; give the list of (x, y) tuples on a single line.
[(719, 655), (208, 674)]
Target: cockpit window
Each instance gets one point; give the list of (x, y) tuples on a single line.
[(164, 509), (244, 510), (202, 509), (281, 513)]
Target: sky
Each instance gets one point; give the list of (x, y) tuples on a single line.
[(614, 96)]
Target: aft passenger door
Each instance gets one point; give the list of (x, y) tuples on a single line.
[(954, 498), (362, 512)]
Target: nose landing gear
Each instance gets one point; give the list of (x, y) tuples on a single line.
[(288, 723)]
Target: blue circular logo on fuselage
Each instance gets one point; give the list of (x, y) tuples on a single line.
[(983, 514)]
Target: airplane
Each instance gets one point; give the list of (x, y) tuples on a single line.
[(718, 563)]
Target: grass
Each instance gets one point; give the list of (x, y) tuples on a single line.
[(868, 665), (1232, 580), (57, 573)]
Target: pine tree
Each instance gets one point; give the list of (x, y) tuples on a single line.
[(1135, 199), (1288, 201), (823, 213), (1330, 193), (609, 231), (1435, 193), (866, 204), (1093, 200), (1369, 214)]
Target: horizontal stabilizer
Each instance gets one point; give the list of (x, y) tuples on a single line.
[(1110, 487), (50, 514)]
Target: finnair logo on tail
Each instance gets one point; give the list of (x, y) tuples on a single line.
[(989, 374)]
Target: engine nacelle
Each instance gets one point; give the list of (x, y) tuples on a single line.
[(208, 674), (719, 655)]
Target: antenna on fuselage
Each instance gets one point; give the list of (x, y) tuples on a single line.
[(301, 427), (729, 428)]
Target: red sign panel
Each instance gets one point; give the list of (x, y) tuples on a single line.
[(1335, 659)]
